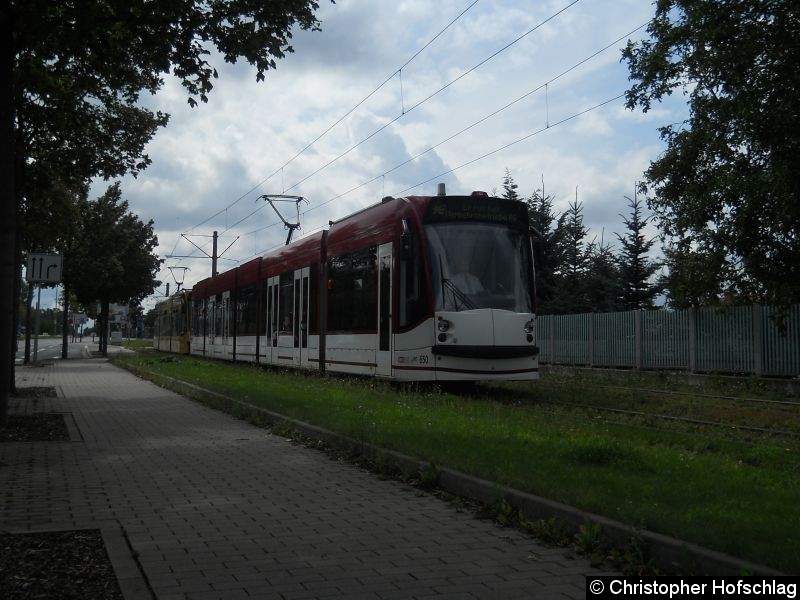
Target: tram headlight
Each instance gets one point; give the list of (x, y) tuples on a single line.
[(529, 327), (443, 325)]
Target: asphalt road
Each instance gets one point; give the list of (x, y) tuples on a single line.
[(50, 349)]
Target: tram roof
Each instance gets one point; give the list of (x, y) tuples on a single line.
[(372, 225)]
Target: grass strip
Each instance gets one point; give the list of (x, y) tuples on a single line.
[(737, 497), (137, 344)]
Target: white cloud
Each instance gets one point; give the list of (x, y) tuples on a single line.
[(210, 156)]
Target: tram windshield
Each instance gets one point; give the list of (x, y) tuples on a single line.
[(479, 265)]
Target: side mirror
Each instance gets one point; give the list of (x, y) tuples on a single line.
[(405, 241)]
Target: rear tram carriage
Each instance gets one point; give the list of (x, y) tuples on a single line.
[(423, 288), (171, 331)]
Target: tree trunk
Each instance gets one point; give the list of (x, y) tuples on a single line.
[(8, 208)]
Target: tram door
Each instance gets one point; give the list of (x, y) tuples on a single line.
[(226, 326), (211, 326), (269, 348), (383, 355), (301, 298)]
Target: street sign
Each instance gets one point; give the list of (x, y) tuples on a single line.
[(118, 313), (43, 268)]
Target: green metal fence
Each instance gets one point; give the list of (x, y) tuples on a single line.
[(740, 339)]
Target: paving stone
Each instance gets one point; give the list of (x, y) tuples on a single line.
[(217, 508)]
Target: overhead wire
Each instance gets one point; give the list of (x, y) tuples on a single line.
[(417, 105), (467, 128), (483, 119), (514, 143), (340, 119), (433, 95), (472, 161), (403, 112), (319, 137)]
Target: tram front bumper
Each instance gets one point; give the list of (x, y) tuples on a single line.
[(484, 344)]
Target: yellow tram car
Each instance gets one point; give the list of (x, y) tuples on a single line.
[(171, 332)]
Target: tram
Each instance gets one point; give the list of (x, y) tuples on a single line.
[(171, 330), (420, 288)]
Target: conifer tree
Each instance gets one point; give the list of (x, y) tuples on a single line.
[(509, 187), (570, 273), (636, 269), (546, 248), (602, 278)]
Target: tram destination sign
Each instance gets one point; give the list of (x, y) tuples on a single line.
[(478, 208), (43, 268)]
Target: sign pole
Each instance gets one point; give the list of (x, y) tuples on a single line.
[(38, 323)]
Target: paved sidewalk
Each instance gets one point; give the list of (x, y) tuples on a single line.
[(217, 508)]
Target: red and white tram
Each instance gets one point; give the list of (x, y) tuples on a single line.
[(433, 288)]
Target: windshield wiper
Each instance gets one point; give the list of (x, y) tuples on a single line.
[(458, 295)]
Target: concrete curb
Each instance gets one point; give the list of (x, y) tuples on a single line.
[(667, 553), (129, 576)]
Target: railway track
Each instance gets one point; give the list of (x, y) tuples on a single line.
[(780, 411), (689, 420), (690, 394)]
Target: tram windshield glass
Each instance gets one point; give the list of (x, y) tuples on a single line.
[(479, 265)]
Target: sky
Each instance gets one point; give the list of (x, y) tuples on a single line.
[(212, 162)]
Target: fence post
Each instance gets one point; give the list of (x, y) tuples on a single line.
[(637, 333), (692, 339), (552, 320), (591, 339), (758, 340)]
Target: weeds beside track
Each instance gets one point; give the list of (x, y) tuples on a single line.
[(725, 488)]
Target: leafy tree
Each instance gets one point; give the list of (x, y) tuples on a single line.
[(727, 189), (72, 74), (9, 275), (694, 277), (49, 213), (636, 270), (115, 260), (150, 318)]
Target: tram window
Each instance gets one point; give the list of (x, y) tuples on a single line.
[(246, 310), (286, 303), (353, 291), (304, 316), (297, 319), (200, 317), (275, 323), (479, 265), (177, 321), (197, 307), (266, 305), (164, 329), (412, 298)]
